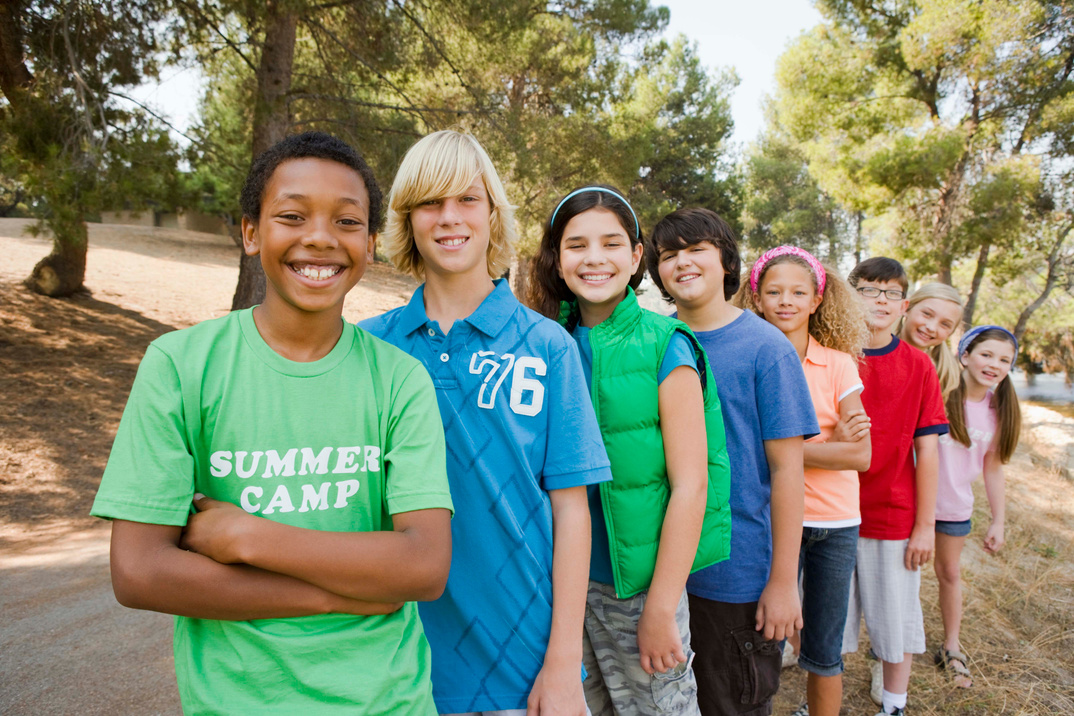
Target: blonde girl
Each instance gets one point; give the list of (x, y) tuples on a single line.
[(665, 512), (933, 314), (986, 422), (820, 315)]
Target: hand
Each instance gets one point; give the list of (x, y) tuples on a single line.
[(920, 547), (779, 610), (852, 427), (216, 529), (659, 641), (557, 691), (994, 540)]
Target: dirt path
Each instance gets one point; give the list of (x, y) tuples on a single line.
[(65, 371)]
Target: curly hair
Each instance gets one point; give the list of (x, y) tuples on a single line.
[(308, 145), (546, 286), (839, 321), (440, 165)]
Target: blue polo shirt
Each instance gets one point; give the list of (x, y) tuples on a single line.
[(518, 422)]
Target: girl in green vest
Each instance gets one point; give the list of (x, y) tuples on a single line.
[(665, 513)]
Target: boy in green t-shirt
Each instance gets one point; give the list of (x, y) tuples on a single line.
[(314, 456)]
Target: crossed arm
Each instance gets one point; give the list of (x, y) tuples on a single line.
[(849, 446), (227, 564)]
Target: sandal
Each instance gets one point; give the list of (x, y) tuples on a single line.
[(954, 662)]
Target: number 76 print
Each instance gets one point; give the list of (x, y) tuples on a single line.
[(499, 367)]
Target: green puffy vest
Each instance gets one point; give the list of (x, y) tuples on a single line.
[(628, 349)]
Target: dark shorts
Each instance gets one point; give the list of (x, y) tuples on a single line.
[(737, 669), (825, 566), (954, 529)]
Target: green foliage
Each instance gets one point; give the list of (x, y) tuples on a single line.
[(560, 94), (74, 145)]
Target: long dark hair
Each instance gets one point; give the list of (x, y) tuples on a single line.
[(1004, 402), (546, 287)]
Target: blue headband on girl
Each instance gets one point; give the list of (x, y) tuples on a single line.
[(964, 342), (617, 195)]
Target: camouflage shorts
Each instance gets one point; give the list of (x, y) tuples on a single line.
[(615, 682)]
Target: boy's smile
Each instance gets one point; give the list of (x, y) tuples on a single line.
[(881, 313), (693, 275), (312, 235), (452, 233)]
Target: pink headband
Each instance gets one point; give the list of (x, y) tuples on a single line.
[(759, 264)]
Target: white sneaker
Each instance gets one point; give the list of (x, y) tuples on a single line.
[(896, 712), (789, 657), (876, 684)]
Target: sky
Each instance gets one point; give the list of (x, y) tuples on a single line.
[(748, 35)]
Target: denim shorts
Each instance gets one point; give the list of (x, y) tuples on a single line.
[(825, 566), (954, 529)]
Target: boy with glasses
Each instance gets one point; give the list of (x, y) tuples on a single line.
[(898, 493)]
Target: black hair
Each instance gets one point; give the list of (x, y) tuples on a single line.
[(879, 269), (689, 227), (308, 145), (546, 287)]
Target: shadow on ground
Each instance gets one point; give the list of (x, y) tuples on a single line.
[(66, 368)]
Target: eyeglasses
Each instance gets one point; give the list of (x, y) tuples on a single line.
[(893, 294)]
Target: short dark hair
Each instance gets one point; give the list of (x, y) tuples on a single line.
[(879, 268), (689, 227), (308, 145)]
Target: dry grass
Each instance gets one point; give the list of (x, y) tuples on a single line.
[(1018, 622)]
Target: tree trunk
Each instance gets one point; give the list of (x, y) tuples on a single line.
[(857, 238), (63, 271), (272, 119), (1051, 278), (975, 285), (520, 277), (14, 75)]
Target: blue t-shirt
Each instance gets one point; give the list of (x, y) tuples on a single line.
[(764, 396), (680, 352), (518, 423)]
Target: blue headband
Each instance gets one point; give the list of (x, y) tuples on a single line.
[(964, 342), (617, 195)]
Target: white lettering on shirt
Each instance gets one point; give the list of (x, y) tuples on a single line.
[(527, 392)]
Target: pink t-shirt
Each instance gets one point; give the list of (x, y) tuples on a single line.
[(960, 465), (831, 496)]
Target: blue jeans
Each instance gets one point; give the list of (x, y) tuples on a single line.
[(825, 565)]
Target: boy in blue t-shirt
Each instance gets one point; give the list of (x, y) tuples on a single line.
[(741, 609), (522, 441), (313, 456)]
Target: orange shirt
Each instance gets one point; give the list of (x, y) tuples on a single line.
[(831, 496)]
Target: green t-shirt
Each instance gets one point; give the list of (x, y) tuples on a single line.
[(338, 444)]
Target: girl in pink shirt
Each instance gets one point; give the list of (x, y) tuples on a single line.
[(985, 424), (820, 315)]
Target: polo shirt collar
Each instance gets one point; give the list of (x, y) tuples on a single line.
[(489, 318), (815, 352), (495, 311)]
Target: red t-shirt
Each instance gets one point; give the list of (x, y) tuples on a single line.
[(902, 397)]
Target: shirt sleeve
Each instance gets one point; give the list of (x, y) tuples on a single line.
[(574, 452), (680, 352), (932, 418), (784, 404), (847, 380), (149, 477), (415, 456)]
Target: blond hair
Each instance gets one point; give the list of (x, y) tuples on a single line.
[(440, 165), (839, 321), (947, 366)]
